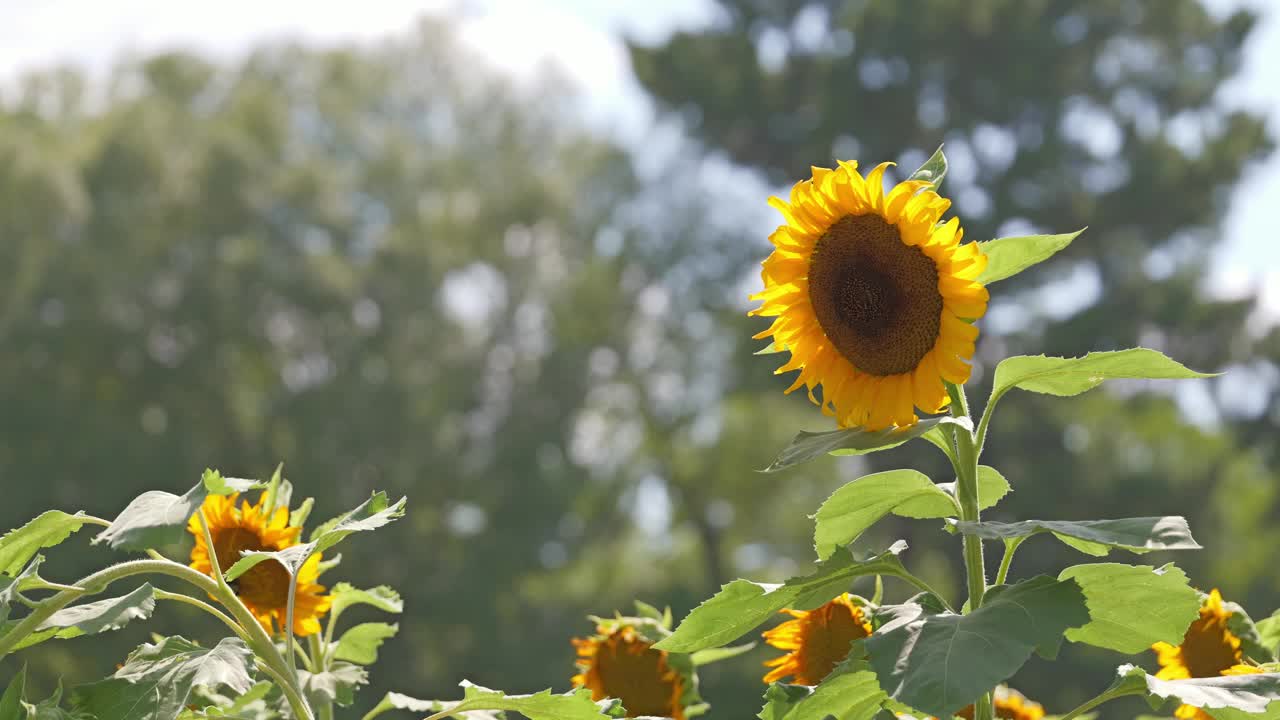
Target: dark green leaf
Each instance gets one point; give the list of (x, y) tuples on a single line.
[(1009, 256), (850, 692), (852, 441), (156, 681), (360, 644), (742, 606), (11, 701), (154, 519), (18, 546), (992, 487), (1096, 537), (337, 685), (859, 504), (94, 617), (933, 169), (940, 663), (1132, 607), (216, 484)]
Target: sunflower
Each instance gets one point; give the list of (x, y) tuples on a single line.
[(815, 640), (1010, 705), (618, 663), (1209, 649), (871, 296), (264, 589)]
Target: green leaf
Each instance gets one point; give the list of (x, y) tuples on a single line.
[(360, 644), (713, 655), (1240, 624), (396, 701), (298, 516), (156, 681), (941, 662), (933, 169), (370, 515), (742, 605), (859, 504), (336, 685), (1096, 537), (853, 441), (11, 588), (992, 487), (11, 701), (215, 484), (1219, 696), (1072, 376), (154, 519), (94, 617), (850, 692), (1009, 256), (18, 546), (1269, 632), (573, 705), (382, 597), (1132, 607)]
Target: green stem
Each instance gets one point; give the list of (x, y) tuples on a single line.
[(1095, 702), (985, 421), (967, 493), (291, 693), (1010, 547), (188, 600), (921, 584)]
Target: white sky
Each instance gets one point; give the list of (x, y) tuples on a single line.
[(582, 36)]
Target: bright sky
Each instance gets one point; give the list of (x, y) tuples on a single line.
[(582, 36)]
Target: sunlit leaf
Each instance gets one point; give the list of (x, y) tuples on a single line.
[(216, 484), (1096, 537), (154, 519), (742, 605), (1009, 256), (19, 545), (853, 441), (1072, 376), (942, 662), (859, 504), (933, 169), (850, 692), (1132, 607), (94, 617), (1223, 697), (360, 643), (382, 597), (992, 487), (337, 685)]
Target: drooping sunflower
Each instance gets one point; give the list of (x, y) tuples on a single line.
[(264, 589), (1208, 649), (815, 640), (619, 663), (871, 296)]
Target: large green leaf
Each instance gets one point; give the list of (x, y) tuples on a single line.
[(1009, 256), (396, 701), (156, 681), (1096, 537), (941, 662), (933, 169), (742, 605), (1230, 697), (94, 617), (850, 692), (154, 519), (573, 705), (1072, 376), (1269, 632), (852, 441), (360, 644), (19, 545), (859, 504), (370, 515), (1133, 606), (992, 487)]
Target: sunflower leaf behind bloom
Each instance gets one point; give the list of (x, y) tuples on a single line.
[(1244, 689), (807, 446), (849, 692), (741, 606), (1132, 607)]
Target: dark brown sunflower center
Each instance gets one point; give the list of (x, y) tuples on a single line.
[(1206, 648), (876, 298), (265, 584)]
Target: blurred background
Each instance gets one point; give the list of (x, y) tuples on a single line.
[(494, 256)]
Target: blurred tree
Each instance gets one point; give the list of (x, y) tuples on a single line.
[(1056, 114)]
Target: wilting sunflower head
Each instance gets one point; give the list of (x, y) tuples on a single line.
[(1209, 649), (815, 640), (618, 663), (264, 589), (872, 296)]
